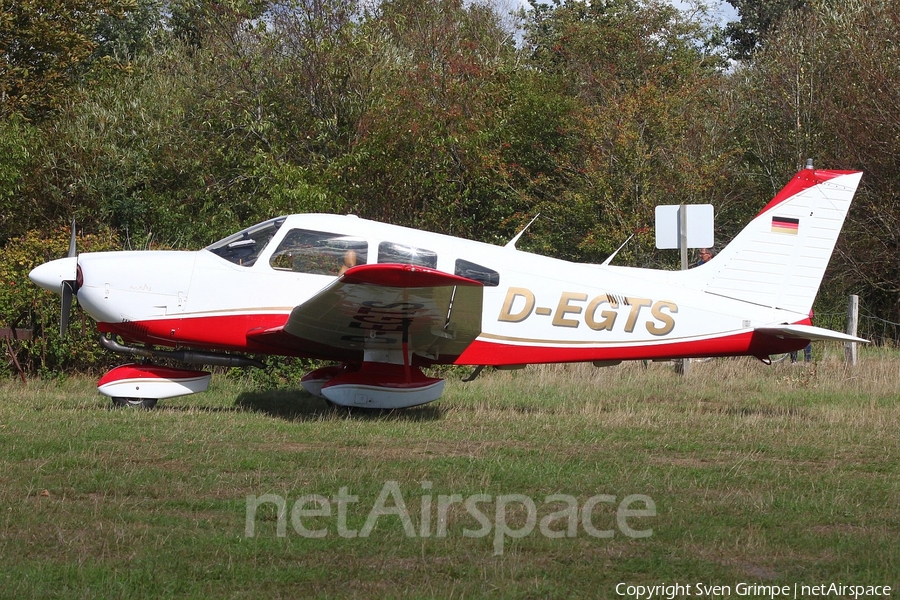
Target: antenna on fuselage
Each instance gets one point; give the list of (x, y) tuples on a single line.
[(512, 243), (608, 260)]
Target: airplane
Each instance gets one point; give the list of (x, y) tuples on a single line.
[(383, 301)]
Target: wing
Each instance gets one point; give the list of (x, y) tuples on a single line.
[(808, 332), (367, 309)]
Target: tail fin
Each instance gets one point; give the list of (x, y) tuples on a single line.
[(779, 259)]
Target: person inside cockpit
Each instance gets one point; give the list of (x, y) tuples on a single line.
[(349, 261)]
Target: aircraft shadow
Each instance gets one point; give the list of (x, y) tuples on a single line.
[(297, 405)]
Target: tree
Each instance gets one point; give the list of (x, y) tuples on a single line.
[(122, 38), (427, 149), (820, 89), (641, 73), (18, 141), (46, 47), (758, 20)]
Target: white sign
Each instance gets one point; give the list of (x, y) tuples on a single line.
[(699, 226)]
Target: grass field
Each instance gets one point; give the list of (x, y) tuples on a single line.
[(737, 474)]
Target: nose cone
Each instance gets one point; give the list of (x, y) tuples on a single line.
[(51, 275)]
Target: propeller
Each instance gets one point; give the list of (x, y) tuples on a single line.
[(68, 288), (72, 250), (62, 276)]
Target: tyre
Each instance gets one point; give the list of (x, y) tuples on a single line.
[(145, 403)]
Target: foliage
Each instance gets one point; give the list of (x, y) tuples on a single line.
[(280, 372), (759, 19), (642, 81), (821, 90), (17, 147), (154, 115), (427, 151), (22, 304), (46, 46), (860, 107), (191, 134)]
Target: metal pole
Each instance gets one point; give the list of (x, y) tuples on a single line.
[(683, 247), (852, 323)]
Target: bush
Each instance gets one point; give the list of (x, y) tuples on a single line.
[(25, 305)]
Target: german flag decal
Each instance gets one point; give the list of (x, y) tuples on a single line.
[(785, 225)]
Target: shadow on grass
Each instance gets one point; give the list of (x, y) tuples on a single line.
[(297, 405)]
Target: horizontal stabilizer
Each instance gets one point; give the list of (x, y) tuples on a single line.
[(808, 332)]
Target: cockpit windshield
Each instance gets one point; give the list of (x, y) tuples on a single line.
[(244, 247)]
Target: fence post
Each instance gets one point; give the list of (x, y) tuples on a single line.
[(852, 322)]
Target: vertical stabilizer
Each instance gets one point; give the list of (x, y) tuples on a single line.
[(779, 259)]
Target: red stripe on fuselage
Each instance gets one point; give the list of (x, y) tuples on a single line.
[(482, 352), (221, 332), (231, 333)]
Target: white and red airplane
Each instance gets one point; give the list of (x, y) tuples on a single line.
[(383, 301)]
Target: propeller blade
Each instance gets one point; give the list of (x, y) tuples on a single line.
[(67, 290), (72, 250)]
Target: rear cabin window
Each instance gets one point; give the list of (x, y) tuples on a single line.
[(318, 253), (389, 252), (487, 277)]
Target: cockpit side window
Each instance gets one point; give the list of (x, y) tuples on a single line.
[(318, 252), (487, 277), (389, 252), (244, 247)]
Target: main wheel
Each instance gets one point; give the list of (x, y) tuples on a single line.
[(145, 403)]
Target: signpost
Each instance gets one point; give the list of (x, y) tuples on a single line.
[(683, 226)]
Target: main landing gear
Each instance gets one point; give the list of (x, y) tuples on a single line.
[(377, 385), (142, 385), (145, 403)]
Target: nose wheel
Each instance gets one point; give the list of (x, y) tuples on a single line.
[(145, 403)]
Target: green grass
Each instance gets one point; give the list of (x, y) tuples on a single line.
[(771, 475)]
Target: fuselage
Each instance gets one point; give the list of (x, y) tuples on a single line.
[(536, 309)]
